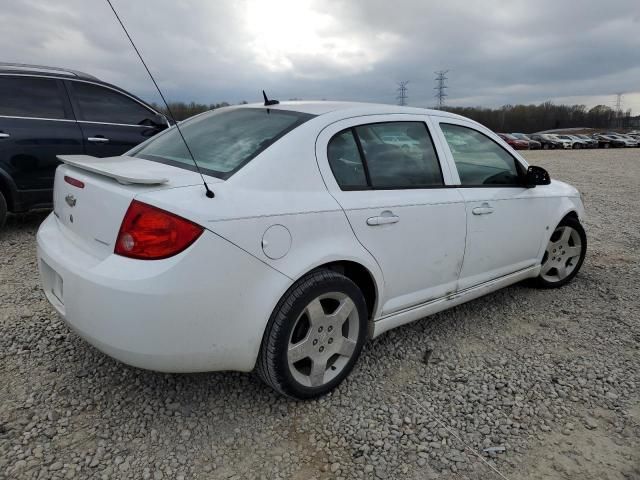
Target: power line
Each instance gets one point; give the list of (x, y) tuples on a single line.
[(441, 86), (402, 92)]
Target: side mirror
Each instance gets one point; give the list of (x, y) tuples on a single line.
[(536, 176)]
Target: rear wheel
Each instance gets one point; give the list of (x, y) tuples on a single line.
[(314, 336), (3, 210), (564, 254)]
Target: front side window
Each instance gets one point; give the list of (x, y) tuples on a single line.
[(479, 160), (222, 141), (31, 97), (390, 155), (100, 104)]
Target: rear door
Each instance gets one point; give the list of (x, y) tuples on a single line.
[(506, 222), (111, 122), (36, 124), (397, 203)]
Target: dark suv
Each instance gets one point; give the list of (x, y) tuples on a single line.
[(47, 111)]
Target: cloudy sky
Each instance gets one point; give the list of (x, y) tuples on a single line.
[(496, 51)]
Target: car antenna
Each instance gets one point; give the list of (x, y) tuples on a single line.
[(209, 192), (267, 102)]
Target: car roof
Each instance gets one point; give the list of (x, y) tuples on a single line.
[(24, 68), (322, 107), (63, 74)]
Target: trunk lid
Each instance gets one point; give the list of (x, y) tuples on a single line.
[(90, 213)]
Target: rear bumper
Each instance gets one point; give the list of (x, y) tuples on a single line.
[(202, 310)]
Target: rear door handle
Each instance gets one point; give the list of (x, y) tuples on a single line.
[(484, 209), (97, 139), (385, 218), (4, 135)]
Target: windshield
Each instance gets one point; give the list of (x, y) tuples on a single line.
[(222, 141)]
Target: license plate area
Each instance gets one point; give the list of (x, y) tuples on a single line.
[(53, 286)]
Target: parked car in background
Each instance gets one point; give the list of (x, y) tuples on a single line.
[(621, 140), (547, 141), (514, 142), (609, 141), (574, 142), (590, 141), (566, 143), (47, 111), (533, 144), (320, 236), (583, 142), (630, 139)]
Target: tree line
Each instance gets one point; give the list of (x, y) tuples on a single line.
[(545, 116), (508, 118), (182, 110)]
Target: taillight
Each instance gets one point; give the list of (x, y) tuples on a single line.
[(73, 181), (150, 233)]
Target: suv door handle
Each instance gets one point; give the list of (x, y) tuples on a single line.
[(385, 218), (4, 135), (97, 139), (484, 209)]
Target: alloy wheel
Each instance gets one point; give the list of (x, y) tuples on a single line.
[(562, 254), (323, 339)]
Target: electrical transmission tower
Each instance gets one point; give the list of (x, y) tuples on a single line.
[(402, 92), (618, 106), (441, 86)]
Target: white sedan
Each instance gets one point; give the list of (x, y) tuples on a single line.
[(320, 236)]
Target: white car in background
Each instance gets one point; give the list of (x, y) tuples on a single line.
[(566, 143), (321, 235)]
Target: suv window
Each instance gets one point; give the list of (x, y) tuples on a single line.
[(391, 155), (222, 141), (100, 104), (479, 160), (31, 97)]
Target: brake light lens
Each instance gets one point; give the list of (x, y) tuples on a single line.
[(73, 181), (150, 233)]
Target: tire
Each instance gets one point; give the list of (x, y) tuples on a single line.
[(3, 210), (303, 319), (561, 262), (545, 146)]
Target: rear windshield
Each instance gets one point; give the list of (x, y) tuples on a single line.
[(222, 141)]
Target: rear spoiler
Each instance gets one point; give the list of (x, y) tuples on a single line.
[(123, 169)]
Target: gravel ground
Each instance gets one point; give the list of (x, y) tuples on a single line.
[(551, 376)]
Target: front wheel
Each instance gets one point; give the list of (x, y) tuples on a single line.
[(564, 254), (314, 336)]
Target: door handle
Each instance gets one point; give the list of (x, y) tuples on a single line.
[(385, 218), (484, 209), (97, 139), (4, 135)]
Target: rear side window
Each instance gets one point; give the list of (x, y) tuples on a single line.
[(222, 141), (387, 155), (479, 160), (99, 104), (31, 97), (345, 161)]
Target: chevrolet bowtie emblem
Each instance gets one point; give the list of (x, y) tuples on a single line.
[(71, 200)]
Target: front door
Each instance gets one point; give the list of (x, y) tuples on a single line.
[(505, 221), (385, 173)]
